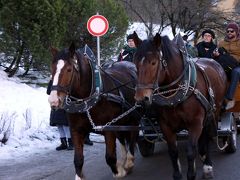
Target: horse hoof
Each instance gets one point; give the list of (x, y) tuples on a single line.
[(78, 178), (207, 172), (129, 170), (128, 166), (121, 171)]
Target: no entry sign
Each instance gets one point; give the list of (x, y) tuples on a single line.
[(97, 25)]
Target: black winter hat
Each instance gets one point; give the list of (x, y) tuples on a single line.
[(130, 36), (209, 31)]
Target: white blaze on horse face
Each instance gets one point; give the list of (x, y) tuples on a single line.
[(142, 60), (161, 54), (53, 98)]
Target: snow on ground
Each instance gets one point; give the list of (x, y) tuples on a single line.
[(24, 118)]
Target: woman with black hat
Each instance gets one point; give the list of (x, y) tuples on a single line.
[(206, 47), (129, 50)]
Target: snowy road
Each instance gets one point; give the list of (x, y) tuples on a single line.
[(53, 165)]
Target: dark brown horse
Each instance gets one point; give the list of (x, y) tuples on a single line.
[(187, 95), (73, 79)]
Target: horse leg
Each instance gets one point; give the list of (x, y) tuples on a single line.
[(131, 140), (123, 148), (191, 157), (78, 139), (111, 157), (173, 151), (204, 152)]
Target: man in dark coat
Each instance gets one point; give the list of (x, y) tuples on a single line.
[(128, 51), (206, 47)]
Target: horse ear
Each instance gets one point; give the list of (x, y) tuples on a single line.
[(179, 40), (53, 50), (136, 39), (72, 49), (157, 40)]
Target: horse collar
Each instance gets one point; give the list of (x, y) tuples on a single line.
[(182, 92)]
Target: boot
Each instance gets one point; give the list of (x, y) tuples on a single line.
[(87, 140), (70, 144), (63, 144)]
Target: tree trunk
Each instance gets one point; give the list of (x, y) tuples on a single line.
[(9, 68), (18, 59), (28, 67)]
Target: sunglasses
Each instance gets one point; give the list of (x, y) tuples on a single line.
[(230, 31)]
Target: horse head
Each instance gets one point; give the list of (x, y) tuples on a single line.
[(159, 63), (147, 60), (63, 68)]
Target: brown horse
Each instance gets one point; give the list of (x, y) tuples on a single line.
[(73, 79), (187, 95)]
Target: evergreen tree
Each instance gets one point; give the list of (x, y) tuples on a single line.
[(29, 27)]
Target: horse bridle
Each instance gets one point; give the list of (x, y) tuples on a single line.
[(162, 65), (67, 89)]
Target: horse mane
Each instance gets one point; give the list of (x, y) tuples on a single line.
[(63, 54), (167, 47)]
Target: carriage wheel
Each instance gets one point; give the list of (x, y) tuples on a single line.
[(232, 139), (146, 148), (237, 120)]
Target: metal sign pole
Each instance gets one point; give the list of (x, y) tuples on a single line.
[(98, 50), (97, 73), (97, 25)]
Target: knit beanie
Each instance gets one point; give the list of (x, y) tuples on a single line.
[(233, 26)]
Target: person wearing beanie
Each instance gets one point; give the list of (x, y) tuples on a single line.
[(128, 51), (206, 47), (192, 51), (231, 53)]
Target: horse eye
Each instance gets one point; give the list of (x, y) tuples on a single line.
[(69, 70), (153, 63)]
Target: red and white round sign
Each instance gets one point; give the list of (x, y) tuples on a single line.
[(97, 25)]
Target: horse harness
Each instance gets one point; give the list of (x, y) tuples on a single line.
[(186, 86), (74, 105)]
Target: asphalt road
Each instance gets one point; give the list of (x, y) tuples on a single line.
[(53, 165)]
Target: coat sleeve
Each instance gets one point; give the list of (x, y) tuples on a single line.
[(120, 56)]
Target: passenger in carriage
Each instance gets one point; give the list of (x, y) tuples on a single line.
[(190, 49), (128, 51), (206, 47), (230, 53)]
